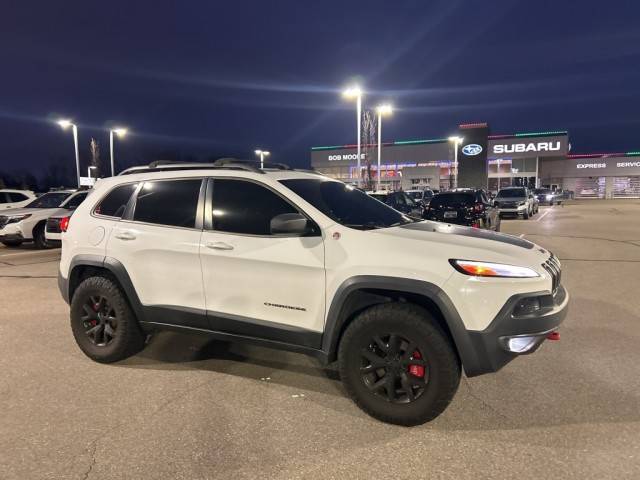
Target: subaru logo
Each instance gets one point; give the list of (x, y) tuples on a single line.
[(472, 149)]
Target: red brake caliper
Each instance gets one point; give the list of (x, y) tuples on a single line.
[(416, 370), (96, 307)]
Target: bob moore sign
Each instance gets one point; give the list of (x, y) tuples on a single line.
[(347, 156), (522, 147)]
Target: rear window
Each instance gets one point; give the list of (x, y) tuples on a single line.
[(449, 199), (49, 200), (115, 203), (168, 202)]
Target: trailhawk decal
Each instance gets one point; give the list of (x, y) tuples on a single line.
[(288, 307)]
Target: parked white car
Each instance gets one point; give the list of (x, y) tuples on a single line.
[(27, 224), (299, 261), (15, 198)]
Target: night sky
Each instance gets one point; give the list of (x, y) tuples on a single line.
[(196, 79)]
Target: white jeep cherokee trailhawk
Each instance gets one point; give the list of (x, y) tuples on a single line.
[(298, 261)]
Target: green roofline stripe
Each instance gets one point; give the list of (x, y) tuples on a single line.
[(409, 142), (328, 148), (633, 153), (536, 134)]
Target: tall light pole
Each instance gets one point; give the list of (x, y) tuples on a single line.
[(262, 154), (356, 92), (456, 141), (120, 132), (385, 109), (64, 123)]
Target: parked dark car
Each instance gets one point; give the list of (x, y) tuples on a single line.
[(421, 196), (548, 196), (400, 201), (469, 207)]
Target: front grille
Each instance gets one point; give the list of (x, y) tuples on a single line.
[(3, 220), (508, 204), (552, 266), (53, 225)]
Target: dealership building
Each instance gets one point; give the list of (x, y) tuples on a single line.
[(534, 159)]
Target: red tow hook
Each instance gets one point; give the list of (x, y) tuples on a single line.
[(554, 336)]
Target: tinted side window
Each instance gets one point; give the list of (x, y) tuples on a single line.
[(115, 203), (75, 201), (169, 202), (245, 207), (3, 198), (17, 197)]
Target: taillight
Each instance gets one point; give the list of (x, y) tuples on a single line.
[(478, 207), (64, 224)]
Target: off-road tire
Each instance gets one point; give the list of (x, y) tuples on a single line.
[(525, 215), (413, 323), (39, 239), (129, 338)]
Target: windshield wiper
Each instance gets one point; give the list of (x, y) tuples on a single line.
[(364, 226)]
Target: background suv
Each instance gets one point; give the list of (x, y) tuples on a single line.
[(298, 261), (15, 198), (400, 201), (27, 224), (470, 207), (514, 201)]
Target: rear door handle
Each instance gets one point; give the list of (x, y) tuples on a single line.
[(125, 235), (219, 246)]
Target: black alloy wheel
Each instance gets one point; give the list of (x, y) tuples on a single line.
[(394, 369), (100, 320)]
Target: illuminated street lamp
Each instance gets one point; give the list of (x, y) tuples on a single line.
[(120, 132), (262, 154), (356, 92), (64, 123), (385, 109), (456, 141)]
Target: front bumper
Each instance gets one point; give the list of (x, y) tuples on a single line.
[(513, 211), (11, 237), (510, 335)]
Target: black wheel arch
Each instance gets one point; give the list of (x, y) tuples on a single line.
[(85, 266), (360, 292)]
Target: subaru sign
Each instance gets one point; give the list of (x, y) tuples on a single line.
[(472, 149)]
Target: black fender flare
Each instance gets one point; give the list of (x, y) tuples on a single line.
[(116, 268), (335, 317)]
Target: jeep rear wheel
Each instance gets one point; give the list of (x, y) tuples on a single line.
[(102, 322), (39, 239), (398, 365)]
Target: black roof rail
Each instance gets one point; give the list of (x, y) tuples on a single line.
[(168, 166)]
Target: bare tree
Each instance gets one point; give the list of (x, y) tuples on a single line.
[(368, 140), (95, 154)]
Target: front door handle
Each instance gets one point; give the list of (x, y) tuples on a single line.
[(125, 235), (219, 246)]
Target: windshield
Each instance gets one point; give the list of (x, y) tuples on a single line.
[(511, 192), (49, 200), (545, 191), (345, 204), (415, 195)]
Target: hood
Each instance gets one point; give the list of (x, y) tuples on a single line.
[(469, 243), (17, 211), (41, 212)]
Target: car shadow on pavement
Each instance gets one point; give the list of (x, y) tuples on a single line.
[(175, 351)]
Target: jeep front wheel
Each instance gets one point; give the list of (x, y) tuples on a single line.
[(102, 322), (398, 365)]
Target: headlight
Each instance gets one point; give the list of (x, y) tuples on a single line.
[(549, 197), (486, 269), (18, 218), (521, 203)]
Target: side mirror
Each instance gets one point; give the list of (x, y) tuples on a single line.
[(290, 223)]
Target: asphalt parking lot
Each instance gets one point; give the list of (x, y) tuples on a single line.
[(190, 408)]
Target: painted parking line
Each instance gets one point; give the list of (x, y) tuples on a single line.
[(543, 215)]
